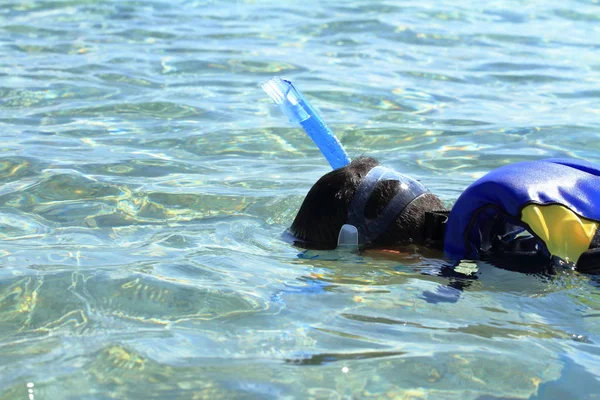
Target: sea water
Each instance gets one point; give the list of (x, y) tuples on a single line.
[(146, 182)]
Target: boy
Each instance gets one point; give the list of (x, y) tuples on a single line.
[(527, 216)]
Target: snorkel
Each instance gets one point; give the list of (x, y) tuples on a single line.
[(299, 111), (358, 230)]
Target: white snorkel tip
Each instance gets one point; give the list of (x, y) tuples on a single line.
[(289, 100), (299, 111)]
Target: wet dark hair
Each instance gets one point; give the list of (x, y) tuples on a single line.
[(325, 209)]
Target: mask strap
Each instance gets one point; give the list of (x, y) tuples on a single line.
[(356, 211), (369, 229)]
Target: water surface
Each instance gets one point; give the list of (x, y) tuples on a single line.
[(145, 181)]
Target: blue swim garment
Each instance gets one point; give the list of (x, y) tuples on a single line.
[(512, 194)]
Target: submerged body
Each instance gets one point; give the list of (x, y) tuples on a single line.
[(543, 211), (549, 209)]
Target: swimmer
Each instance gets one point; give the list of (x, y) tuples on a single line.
[(529, 216)]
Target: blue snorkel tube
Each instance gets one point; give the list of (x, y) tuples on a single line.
[(299, 111)]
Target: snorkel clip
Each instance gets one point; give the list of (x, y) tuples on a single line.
[(348, 238)]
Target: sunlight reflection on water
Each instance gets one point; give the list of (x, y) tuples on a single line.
[(146, 181)]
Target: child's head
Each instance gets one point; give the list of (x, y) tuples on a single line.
[(326, 208)]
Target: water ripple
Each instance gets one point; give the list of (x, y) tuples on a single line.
[(146, 183)]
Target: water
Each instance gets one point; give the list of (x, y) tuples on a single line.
[(146, 180)]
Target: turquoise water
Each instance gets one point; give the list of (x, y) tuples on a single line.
[(146, 180)]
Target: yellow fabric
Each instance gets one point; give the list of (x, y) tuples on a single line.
[(566, 234)]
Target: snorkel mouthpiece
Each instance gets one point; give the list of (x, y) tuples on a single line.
[(299, 111)]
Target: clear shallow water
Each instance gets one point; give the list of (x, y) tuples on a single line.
[(146, 181)]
